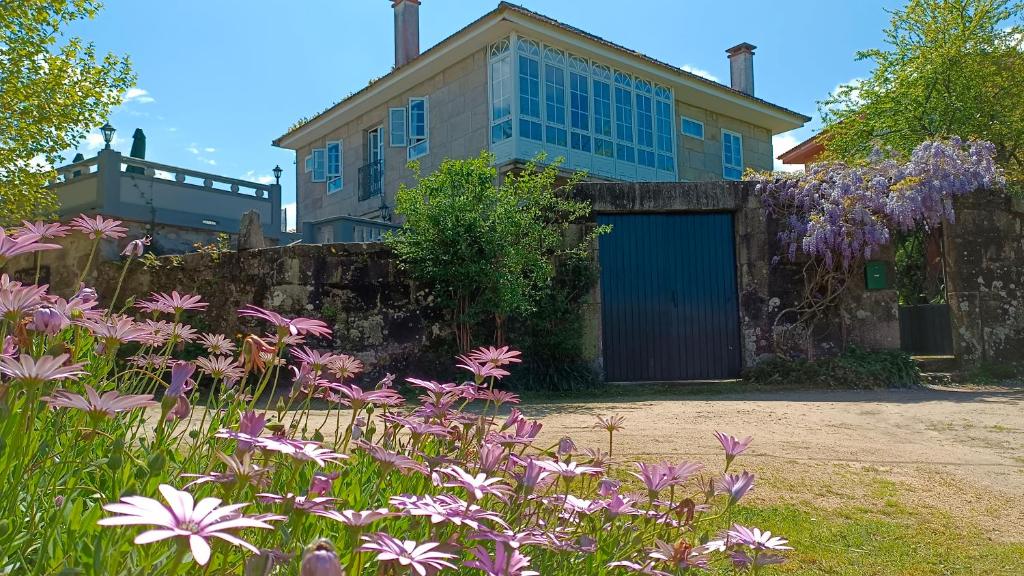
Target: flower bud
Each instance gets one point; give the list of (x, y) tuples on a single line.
[(47, 320), (86, 294), (320, 560), (136, 247), (566, 446)]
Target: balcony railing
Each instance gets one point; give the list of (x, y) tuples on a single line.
[(371, 180)]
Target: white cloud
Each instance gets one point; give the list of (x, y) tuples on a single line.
[(94, 141), (137, 95), (782, 143), (40, 164), (290, 213), (192, 148), (700, 72), (172, 129), (251, 176), (209, 150), (853, 83)]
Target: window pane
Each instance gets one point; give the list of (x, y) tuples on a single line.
[(602, 109), (644, 122), (604, 148), (501, 88), (418, 118), (663, 113), (554, 94), (579, 102), (333, 159), (623, 114), (396, 123), (580, 142), (529, 87), (529, 129), (625, 153), (319, 165), (556, 136), (665, 163), (502, 131)]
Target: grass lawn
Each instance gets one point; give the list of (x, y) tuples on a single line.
[(892, 541)]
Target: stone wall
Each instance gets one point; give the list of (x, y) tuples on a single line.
[(375, 313), (984, 252)]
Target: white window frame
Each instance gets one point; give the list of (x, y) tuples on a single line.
[(309, 162), (419, 145), (725, 166), (393, 131), (335, 180), (501, 57), (682, 127), (322, 154)]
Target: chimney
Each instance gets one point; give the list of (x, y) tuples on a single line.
[(741, 67), (407, 31)]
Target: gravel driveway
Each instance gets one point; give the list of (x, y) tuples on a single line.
[(958, 450)]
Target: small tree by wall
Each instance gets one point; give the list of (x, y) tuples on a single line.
[(487, 251), (835, 216)]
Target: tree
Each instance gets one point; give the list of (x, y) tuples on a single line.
[(487, 251), (951, 68), (52, 90)]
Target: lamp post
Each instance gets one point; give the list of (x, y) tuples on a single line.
[(277, 173), (108, 134)]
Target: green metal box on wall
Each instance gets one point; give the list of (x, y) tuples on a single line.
[(875, 275)]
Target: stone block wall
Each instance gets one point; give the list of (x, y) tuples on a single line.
[(984, 250)]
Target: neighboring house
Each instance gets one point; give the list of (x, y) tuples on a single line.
[(177, 206), (518, 83), (806, 152)]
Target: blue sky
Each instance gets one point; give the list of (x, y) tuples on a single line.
[(219, 79)]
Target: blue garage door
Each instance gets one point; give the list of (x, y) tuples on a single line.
[(668, 297)]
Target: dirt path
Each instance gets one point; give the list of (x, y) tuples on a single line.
[(959, 451)]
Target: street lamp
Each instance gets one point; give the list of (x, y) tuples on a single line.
[(277, 173), (108, 134)]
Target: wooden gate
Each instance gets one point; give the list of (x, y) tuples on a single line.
[(926, 330)]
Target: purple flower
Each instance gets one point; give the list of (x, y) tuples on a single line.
[(681, 555), (322, 483), (506, 561), (422, 558), (173, 303), (41, 229), (736, 485), (732, 446), (356, 518), (217, 344), (181, 379), (494, 356), (568, 470), (182, 517)]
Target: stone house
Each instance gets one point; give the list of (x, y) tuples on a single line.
[(518, 83)]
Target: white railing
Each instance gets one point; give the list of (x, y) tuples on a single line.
[(76, 170), (195, 177)]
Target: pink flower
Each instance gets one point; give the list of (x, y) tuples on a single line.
[(17, 301), (354, 518), (345, 367), (568, 469), (477, 485), (646, 568), (181, 379), (390, 460), (304, 503), (41, 229), (220, 368), (114, 331), (755, 539), (506, 562), (481, 370), (296, 326), (681, 556), (34, 372), (15, 246), (184, 518), (217, 344), (609, 423), (422, 558), (98, 227), (357, 398), (107, 405), (240, 472), (495, 356), (173, 303)]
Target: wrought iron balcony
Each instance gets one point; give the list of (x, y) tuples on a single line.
[(371, 180)]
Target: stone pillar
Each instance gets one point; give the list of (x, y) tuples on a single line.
[(250, 233), (109, 181), (275, 210)]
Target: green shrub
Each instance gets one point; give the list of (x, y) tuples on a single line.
[(854, 369)]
